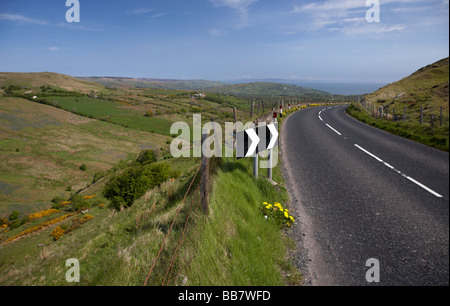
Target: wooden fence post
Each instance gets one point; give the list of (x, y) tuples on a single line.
[(204, 174), (421, 115)]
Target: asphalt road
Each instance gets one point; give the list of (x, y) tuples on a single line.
[(360, 193)]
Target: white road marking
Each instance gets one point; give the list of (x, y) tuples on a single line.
[(389, 166), (399, 172), (424, 187), (334, 130), (368, 153), (320, 118)]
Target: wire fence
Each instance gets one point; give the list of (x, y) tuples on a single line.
[(180, 244), (191, 221), (425, 115)]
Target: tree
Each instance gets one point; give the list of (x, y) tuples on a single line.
[(123, 189), (146, 157), (14, 215)]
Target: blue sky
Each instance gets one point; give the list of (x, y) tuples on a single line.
[(327, 40)]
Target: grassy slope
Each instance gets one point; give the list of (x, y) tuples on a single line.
[(437, 137), (61, 81), (152, 83), (115, 113), (42, 148), (118, 248), (428, 88), (270, 89), (236, 245)]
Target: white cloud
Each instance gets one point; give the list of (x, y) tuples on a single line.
[(140, 11), (159, 15), (349, 16), (240, 6), (54, 49), (21, 18), (217, 32)]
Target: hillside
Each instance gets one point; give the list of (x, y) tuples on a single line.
[(415, 107), (42, 148), (35, 80), (60, 150), (123, 82), (271, 91), (44, 141), (427, 87)]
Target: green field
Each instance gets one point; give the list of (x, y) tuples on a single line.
[(70, 143), (42, 148), (115, 113)]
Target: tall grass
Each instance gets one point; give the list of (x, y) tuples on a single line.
[(233, 245), (437, 137), (239, 246)]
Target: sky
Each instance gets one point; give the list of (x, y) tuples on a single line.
[(325, 40)]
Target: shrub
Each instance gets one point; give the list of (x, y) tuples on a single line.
[(78, 202), (41, 214), (57, 206), (38, 227), (13, 87), (123, 189), (57, 233), (4, 223), (146, 157), (98, 176), (14, 215), (15, 224), (83, 167), (77, 222), (57, 199), (149, 114)]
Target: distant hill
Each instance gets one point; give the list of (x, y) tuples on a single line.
[(35, 80), (428, 87), (270, 89), (124, 82), (333, 87)]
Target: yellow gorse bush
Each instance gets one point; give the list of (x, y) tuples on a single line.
[(296, 108), (87, 218), (4, 223), (57, 233), (89, 197), (41, 214), (278, 213), (39, 227)]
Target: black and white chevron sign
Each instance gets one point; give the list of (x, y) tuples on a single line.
[(256, 140)]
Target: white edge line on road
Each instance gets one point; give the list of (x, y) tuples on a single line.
[(320, 118), (367, 152), (334, 129), (399, 172), (424, 187)]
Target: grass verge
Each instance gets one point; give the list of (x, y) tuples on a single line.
[(234, 245), (437, 137)]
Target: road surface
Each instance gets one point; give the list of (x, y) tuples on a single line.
[(361, 193)]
